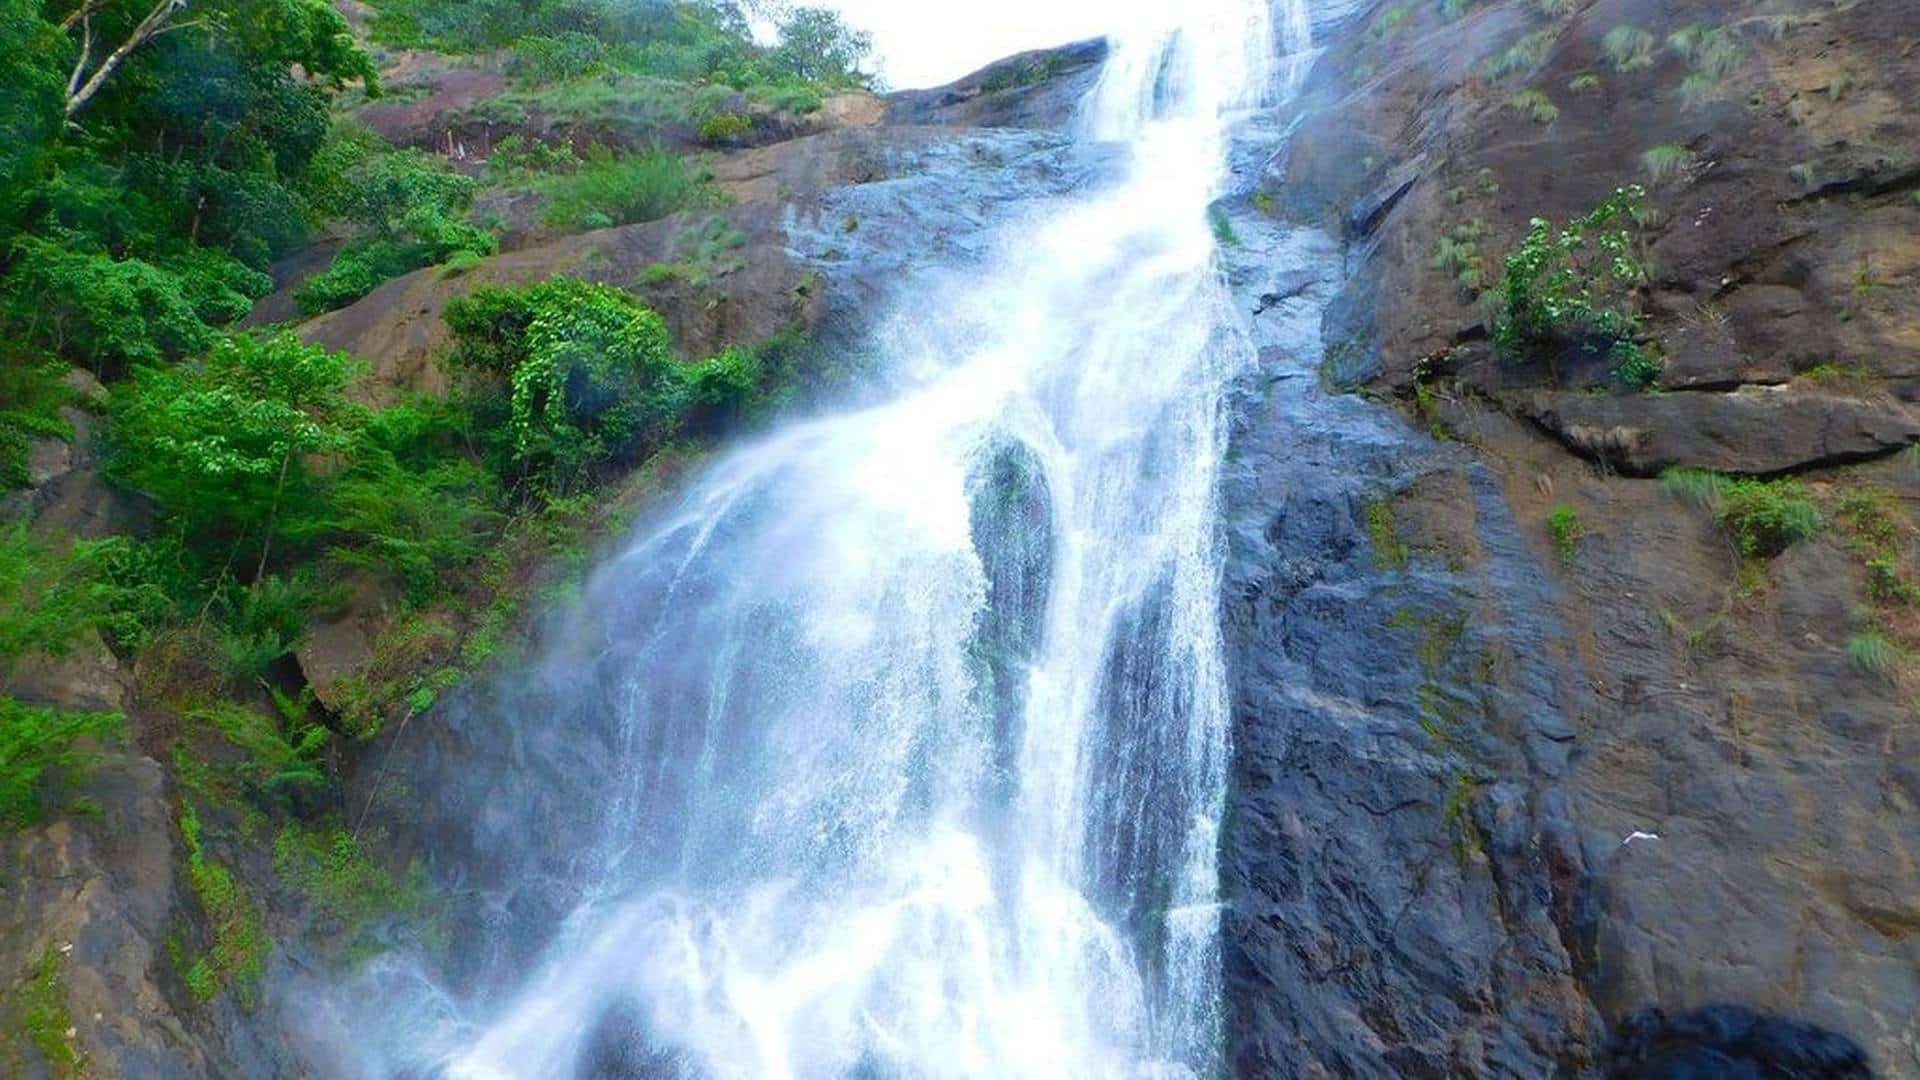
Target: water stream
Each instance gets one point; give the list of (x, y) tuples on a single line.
[(920, 728)]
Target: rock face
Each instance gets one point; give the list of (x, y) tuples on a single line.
[(1500, 787)]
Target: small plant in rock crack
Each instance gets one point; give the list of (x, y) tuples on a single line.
[(1564, 525), (1576, 289), (1666, 162), (1458, 253), (1629, 48), (1764, 517), (1537, 105), (1871, 652)]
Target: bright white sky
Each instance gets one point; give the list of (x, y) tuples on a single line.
[(931, 42)]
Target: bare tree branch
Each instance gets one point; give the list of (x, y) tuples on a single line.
[(156, 20)]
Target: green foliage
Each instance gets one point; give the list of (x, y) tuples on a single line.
[(39, 748), (1871, 652), (52, 593), (1666, 161), (1564, 525), (1629, 48), (238, 946), (349, 888), (264, 623), (1577, 287), (31, 397), (411, 505), (1458, 253), (1537, 105), (283, 753), (1764, 517), (622, 189), (109, 313), (411, 208), (44, 1019), (1523, 55), (1389, 20), (817, 46), (1389, 549), (224, 446), (587, 369), (553, 57), (1222, 226), (725, 129)]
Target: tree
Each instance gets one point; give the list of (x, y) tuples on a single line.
[(816, 45), (310, 33), (223, 445)]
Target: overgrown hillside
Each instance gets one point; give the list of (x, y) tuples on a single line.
[(232, 554)]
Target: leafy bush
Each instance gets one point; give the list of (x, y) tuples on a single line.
[(1767, 517), (411, 505), (223, 446), (38, 745), (725, 128), (1764, 517), (53, 593), (411, 206), (550, 58), (622, 189), (1564, 524), (283, 753), (1523, 55), (588, 372), (1666, 161), (1577, 287), (239, 946), (110, 313)]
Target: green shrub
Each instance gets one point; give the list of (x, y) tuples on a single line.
[(224, 446), (610, 189), (1871, 652), (725, 129), (1222, 226), (1523, 55), (414, 521), (588, 372), (283, 754), (1764, 517), (1629, 48), (1666, 161), (109, 313), (52, 593), (39, 746), (1389, 549), (239, 946), (724, 390), (1578, 287), (553, 57), (1564, 524), (411, 207), (1767, 517)]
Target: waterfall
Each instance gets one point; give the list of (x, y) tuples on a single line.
[(919, 730)]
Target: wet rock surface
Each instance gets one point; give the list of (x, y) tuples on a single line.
[(1683, 790)]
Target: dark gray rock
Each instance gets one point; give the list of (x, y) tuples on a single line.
[(1752, 430)]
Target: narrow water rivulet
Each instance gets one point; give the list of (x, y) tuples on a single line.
[(915, 726)]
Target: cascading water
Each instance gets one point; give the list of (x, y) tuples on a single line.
[(921, 732)]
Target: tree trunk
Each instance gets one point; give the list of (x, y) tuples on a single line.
[(79, 93)]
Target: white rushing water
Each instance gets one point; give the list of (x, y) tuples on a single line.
[(924, 733)]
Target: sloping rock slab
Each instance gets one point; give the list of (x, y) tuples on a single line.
[(1759, 430)]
